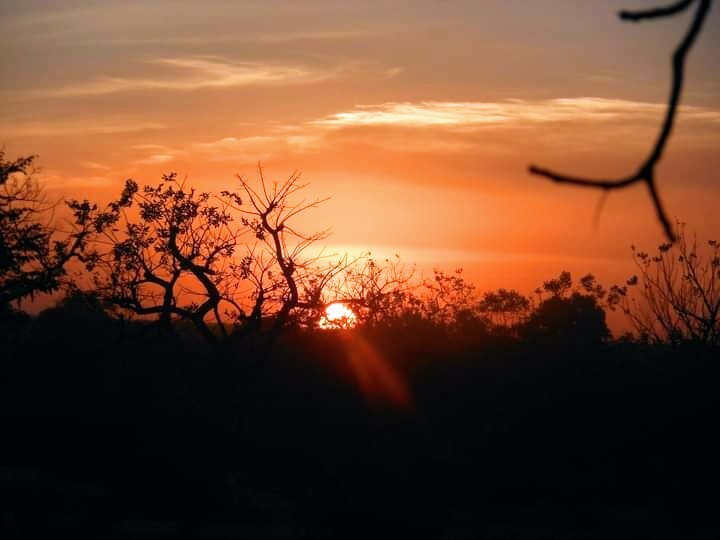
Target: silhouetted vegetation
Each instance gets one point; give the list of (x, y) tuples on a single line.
[(679, 293), (33, 253), (438, 411), (173, 261)]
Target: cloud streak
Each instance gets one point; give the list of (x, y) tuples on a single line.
[(155, 159), (505, 113), (193, 73), (40, 129), (259, 146), (448, 128)]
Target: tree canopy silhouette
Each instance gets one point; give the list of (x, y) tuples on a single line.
[(569, 317), (34, 249), (174, 259)]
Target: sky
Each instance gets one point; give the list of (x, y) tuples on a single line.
[(417, 118)]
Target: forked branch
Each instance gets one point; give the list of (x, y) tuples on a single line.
[(646, 172)]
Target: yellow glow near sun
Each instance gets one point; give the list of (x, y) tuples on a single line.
[(338, 315)]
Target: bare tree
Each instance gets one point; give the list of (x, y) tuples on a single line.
[(677, 293), (646, 172), (288, 277)]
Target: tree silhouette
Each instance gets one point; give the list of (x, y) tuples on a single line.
[(646, 172), (35, 250), (569, 316), (558, 287), (289, 278), (174, 260), (504, 308)]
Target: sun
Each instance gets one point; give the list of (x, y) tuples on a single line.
[(338, 315)]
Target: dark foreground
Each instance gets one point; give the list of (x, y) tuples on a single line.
[(145, 438)]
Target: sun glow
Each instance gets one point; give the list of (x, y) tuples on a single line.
[(338, 316)]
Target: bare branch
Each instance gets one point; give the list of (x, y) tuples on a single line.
[(655, 13), (646, 172)]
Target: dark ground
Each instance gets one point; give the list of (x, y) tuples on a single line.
[(145, 438)]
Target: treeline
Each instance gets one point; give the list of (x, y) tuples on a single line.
[(233, 266)]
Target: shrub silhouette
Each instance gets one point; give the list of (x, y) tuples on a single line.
[(676, 296), (77, 312), (574, 318)]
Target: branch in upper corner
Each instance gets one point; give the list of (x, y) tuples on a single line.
[(655, 13), (646, 172)]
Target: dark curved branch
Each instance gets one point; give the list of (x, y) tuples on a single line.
[(579, 181), (655, 13), (646, 172)]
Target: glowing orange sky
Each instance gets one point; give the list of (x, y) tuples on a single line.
[(418, 118)]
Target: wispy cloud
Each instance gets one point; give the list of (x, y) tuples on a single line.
[(150, 146), (228, 149), (259, 146), (54, 179), (503, 113), (600, 78), (452, 127), (58, 129), (269, 38), (95, 165), (320, 35), (155, 159), (193, 73)]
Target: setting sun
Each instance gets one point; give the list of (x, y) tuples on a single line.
[(338, 315)]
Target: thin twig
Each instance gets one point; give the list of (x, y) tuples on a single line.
[(646, 172)]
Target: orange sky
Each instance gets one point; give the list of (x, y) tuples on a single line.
[(418, 118)]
